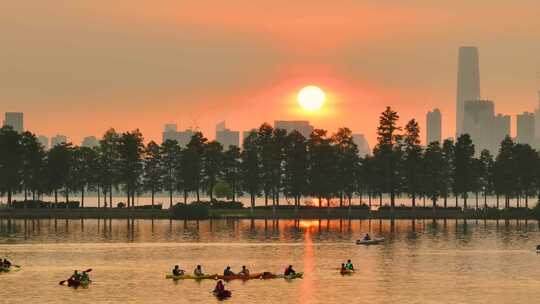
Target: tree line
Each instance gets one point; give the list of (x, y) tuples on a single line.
[(272, 163)]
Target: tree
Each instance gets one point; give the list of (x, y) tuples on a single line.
[(59, 168), (193, 164), (231, 170), (504, 177), (447, 169), (130, 152), (11, 162), (412, 162), (212, 166), (322, 170), (486, 174), (347, 164), (464, 167), (296, 167), (109, 162), (265, 154), (250, 168), (526, 162), (387, 154), (170, 152), (433, 179), (153, 170), (277, 159), (84, 166), (33, 159)]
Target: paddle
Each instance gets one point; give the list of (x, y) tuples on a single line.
[(62, 282)]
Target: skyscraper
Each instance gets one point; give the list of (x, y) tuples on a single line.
[(227, 137), (90, 142), (525, 128), (301, 126), (362, 143), (501, 130), (182, 137), (44, 141), (468, 83), (479, 121), (58, 139), (433, 126), (15, 120)]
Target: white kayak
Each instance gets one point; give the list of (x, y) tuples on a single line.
[(370, 242)]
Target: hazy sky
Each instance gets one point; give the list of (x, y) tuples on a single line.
[(80, 67)]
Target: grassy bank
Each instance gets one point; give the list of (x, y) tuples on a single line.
[(284, 212)]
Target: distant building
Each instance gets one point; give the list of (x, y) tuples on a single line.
[(301, 126), (468, 83), (171, 127), (44, 141), (90, 142), (362, 143), (58, 139), (537, 123), (501, 130), (227, 137), (183, 137), (479, 121), (433, 126), (525, 128), (15, 120)]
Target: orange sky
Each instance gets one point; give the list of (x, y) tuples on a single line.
[(80, 67)]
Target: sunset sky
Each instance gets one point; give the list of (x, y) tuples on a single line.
[(80, 67)]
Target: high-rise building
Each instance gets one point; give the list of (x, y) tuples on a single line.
[(58, 139), (227, 137), (362, 143), (183, 137), (15, 120), (537, 122), (468, 83), (433, 126), (501, 130), (44, 141), (525, 128), (171, 127), (90, 142), (301, 126), (479, 118)]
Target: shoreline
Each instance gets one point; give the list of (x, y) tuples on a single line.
[(268, 213)]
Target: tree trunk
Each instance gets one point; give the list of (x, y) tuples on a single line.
[(445, 201), (198, 195), (414, 201), (110, 196), (185, 197), (265, 199), (526, 201), (233, 191), (98, 197), (476, 200), (153, 193), (170, 198), (55, 197), (9, 198), (82, 196)]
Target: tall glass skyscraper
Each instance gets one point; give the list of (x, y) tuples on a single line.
[(468, 83)]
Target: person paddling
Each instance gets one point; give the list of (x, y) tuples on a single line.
[(289, 271), (244, 272), (367, 237), (219, 287), (349, 265), (6, 263), (198, 271), (85, 277), (343, 268), (177, 271), (228, 272)]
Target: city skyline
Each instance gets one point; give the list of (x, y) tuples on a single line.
[(87, 78)]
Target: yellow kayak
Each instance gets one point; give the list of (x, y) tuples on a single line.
[(191, 277)]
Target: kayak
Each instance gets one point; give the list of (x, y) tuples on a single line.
[(75, 283), (346, 271), (370, 242), (191, 277), (240, 277), (297, 275), (11, 269), (222, 294)]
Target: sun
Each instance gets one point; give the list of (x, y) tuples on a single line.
[(311, 98)]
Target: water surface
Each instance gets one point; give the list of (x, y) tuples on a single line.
[(420, 262)]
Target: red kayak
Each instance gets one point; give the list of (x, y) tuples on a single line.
[(223, 294)]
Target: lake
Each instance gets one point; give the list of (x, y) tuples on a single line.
[(419, 262)]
